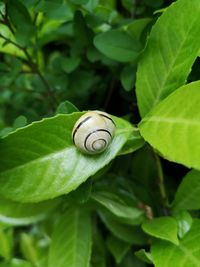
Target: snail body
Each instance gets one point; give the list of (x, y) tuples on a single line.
[(93, 132)]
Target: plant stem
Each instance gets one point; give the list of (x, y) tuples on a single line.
[(34, 69), (161, 181)]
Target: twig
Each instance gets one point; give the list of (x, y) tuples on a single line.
[(34, 69)]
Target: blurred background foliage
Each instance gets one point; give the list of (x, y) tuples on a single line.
[(85, 52), (82, 51)]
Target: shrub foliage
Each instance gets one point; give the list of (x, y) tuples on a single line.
[(137, 203)]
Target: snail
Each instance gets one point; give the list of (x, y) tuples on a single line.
[(93, 132)]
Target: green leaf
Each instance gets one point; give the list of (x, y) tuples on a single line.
[(60, 11), (117, 45), (98, 257), (79, 2), (144, 256), (163, 228), (14, 213), (44, 154), (66, 108), (6, 243), (130, 260), (71, 240), (187, 253), (154, 3), (18, 13), (184, 221), (172, 48), (117, 248), (127, 233), (137, 27), (19, 122), (21, 19), (134, 142), (127, 77), (70, 64), (173, 126), (9, 48), (19, 263), (82, 32), (118, 207), (188, 193), (28, 249)]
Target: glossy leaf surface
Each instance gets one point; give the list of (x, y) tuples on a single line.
[(168, 57), (173, 126), (40, 161)]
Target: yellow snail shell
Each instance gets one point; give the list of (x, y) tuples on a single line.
[(93, 132)]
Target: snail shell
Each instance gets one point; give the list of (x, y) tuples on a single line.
[(93, 132)]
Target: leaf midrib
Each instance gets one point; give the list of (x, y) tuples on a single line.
[(49, 155), (172, 120)]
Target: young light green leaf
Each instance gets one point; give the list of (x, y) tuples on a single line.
[(28, 249), (184, 221), (40, 161), (144, 256), (117, 45), (112, 202), (171, 50), (186, 254), (163, 228), (19, 263), (71, 240), (173, 126), (188, 193), (6, 243), (14, 213), (117, 248), (9, 48), (134, 142)]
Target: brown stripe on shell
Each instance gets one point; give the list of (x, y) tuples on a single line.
[(79, 125), (103, 115), (99, 130)]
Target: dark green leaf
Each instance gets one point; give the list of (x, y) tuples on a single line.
[(66, 108), (127, 233), (118, 207), (128, 76), (117, 45), (117, 248)]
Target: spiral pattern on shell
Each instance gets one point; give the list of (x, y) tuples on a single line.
[(93, 132)]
